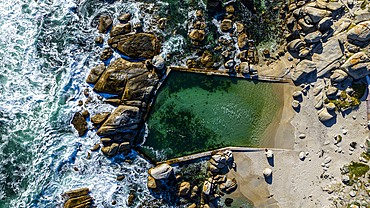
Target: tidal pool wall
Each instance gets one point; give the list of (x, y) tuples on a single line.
[(194, 113)]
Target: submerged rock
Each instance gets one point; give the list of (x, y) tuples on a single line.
[(80, 124), (123, 118), (138, 45), (161, 172)]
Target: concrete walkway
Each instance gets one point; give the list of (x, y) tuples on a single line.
[(212, 152)]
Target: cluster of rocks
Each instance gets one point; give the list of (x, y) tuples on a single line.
[(226, 47), (131, 84), (78, 198), (219, 165), (197, 33), (327, 49), (160, 178), (310, 27)]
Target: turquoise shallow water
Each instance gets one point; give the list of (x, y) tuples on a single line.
[(193, 113)]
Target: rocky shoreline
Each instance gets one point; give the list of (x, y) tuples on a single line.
[(324, 51)]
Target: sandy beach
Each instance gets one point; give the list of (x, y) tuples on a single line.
[(295, 182)]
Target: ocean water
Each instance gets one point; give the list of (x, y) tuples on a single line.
[(46, 52), (194, 113)]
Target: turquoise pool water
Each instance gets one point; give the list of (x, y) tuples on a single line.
[(193, 113)]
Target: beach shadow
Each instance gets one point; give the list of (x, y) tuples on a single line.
[(331, 122), (271, 161), (297, 110), (269, 179)]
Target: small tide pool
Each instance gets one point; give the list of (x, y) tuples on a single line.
[(194, 113)]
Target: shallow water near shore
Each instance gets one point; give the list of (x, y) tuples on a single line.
[(194, 113)]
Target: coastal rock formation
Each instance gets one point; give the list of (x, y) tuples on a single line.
[(229, 186), (99, 118), (360, 32), (313, 37), (104, 24), (111, 150), (184, 189), (80, 124), (324, 115), (138, 45), (123, 118), (120, 29), (267, 172), (226, 25), (153, 184), (115, 77), (158, 62), (77, 198), (106, 54), (302, 69), (338, 75), (357, 65), (124, 17), (140, 88), (161, 172), (327, 53), (197, 35), (207, 187), (325, 24), (95, 74)]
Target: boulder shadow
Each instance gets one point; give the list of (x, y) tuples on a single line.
[(271, 161), (269, 179)]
